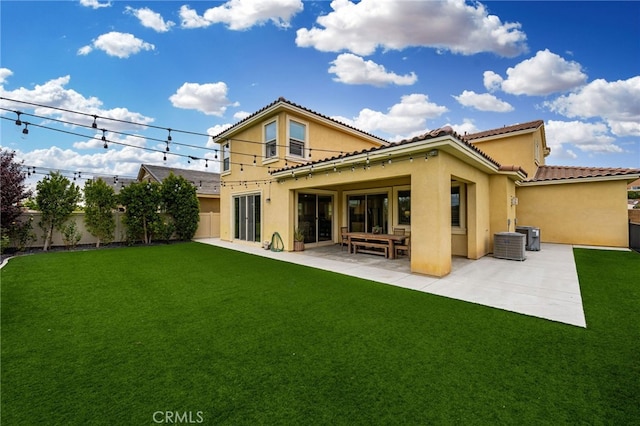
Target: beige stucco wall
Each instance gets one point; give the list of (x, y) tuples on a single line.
[(208, 227), (244, 178), (516, 149), (590, 213)]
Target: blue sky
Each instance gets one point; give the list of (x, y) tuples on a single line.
[(394, 69)]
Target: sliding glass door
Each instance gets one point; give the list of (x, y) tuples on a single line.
[(247, 217), (368, 213), (315, 217)]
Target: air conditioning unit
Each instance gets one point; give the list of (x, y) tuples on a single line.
[(509, 245), (533, 237)]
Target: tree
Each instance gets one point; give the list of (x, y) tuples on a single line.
[(100, 200), (12, 189), (56, 197), (181, 203), (141, 201)]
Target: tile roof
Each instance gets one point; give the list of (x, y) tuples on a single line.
[(282, 100), (429, 135), (206, 183), (506, 129), (553, 173)]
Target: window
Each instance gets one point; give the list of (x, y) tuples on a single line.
[(226, 158), (404, 207), (455, 206), (297, 138), (270, 140)]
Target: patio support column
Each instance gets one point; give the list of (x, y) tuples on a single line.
[(431, 218)]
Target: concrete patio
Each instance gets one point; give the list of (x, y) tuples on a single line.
[(545, 285)]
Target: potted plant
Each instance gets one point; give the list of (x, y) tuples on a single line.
[(298, 240)]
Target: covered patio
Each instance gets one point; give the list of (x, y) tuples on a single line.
[(545, 285)]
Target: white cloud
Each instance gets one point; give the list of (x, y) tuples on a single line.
[(121, 45), (410, 115), (209, 98), (243, 14), (451, 25), (54, 93), (241, 115), (214, 131), (85, 50), (150, 19), (541, 75), (467, 127), (352, 69), (191, 19), (113, 139), (492, 81), (617, 102), (95, 4), (587, 137), (4, 74), (483, 102)]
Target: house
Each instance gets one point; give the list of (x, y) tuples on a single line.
[(286, 166), (207, 184)]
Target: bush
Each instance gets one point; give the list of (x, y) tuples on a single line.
[(22, 235), (70, 235)]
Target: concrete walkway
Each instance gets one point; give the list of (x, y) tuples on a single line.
[(545, 285)]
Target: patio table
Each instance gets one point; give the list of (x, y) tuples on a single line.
[(388, 239)]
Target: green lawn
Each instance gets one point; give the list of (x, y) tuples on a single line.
[(113, 336)]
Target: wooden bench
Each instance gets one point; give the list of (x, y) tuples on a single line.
[(369, 247)]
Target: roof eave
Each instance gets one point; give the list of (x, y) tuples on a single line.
[(627, 178)]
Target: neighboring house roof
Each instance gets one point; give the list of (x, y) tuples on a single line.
[(206, 183), (284, 102), (556, 173), (531, 125)]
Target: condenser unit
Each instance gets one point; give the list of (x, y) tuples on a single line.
[(509, 245), (533, 237)]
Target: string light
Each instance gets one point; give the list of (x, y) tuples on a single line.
[(95, 124)]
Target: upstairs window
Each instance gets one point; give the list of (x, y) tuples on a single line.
[(226, 158), (297, 138), (270, 140)]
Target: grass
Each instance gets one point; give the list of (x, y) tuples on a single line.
[(113, 336)]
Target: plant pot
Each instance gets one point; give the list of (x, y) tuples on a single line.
[(298, 246)]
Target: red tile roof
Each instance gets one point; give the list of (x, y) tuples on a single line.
[(282, 100), (506, 129), (553, 173), (429, 135)]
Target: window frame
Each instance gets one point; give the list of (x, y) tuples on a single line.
[(225, 158), (461, 227), (304, 143), (265, 153)]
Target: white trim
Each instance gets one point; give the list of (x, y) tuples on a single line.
[(313, 116), (305, 143), (462, 229), (394, 213), (580, 180), (264, 141)]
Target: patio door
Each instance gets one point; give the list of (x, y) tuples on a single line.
[(367, 212), (315, 217), (247, 217)]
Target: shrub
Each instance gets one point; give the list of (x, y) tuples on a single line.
[(70, 235)]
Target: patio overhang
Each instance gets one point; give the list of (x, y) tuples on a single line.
[(416, 150)]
